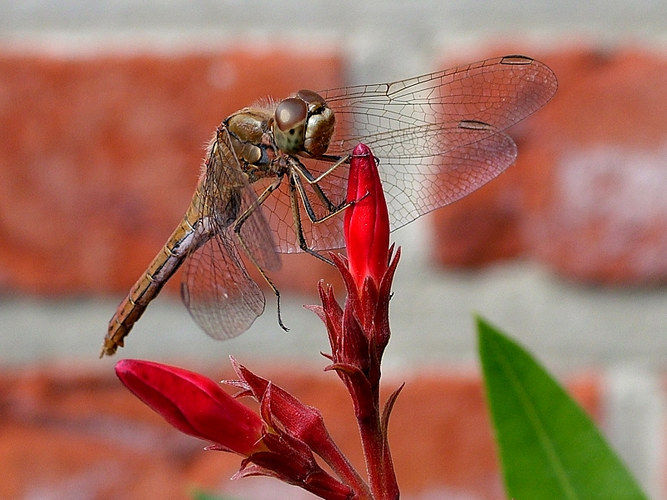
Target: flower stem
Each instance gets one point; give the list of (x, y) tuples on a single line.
[(378, 458), (339, 463)]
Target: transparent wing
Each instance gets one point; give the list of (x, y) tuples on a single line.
[(422, 129), (438, 137), (217, 290), (499, 91), (226, 195)]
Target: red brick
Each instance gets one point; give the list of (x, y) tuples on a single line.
[(601, 215), (79, 431), (586, 196), (99, 156)]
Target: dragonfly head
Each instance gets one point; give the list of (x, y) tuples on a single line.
[(303, 124)]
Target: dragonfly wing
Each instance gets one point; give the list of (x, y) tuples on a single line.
[(417, 185), (499, 91), (422, 169), (440, 136), (257, 236), (217, 290), (228, 194)]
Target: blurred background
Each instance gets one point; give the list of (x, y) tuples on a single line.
[(105, 110)]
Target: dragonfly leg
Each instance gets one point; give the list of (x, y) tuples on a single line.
[(297, 174), (294, 181), (313, 181), (238, 224), (296, 184), (338, 161)]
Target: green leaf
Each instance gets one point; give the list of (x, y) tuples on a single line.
[(202, 495), (549, 448)]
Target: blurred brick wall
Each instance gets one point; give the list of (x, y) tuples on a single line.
[(587, 194), (99, 157)]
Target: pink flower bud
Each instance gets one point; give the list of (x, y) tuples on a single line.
[(193, 404), (366, 224)]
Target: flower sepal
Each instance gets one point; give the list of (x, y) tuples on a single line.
[(291, 460), (294, 431)]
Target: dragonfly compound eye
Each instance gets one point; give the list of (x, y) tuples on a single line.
[(319, 124), (290, 124)]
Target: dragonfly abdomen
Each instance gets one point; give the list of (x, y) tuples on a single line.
[(185, 238)]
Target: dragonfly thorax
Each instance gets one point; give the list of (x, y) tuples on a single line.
[(303, 124), (249, 133)]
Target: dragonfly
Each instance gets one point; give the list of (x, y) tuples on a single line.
[(275, 174)]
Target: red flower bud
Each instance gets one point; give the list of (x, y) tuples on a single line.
[(193, 404), (366, 224)]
